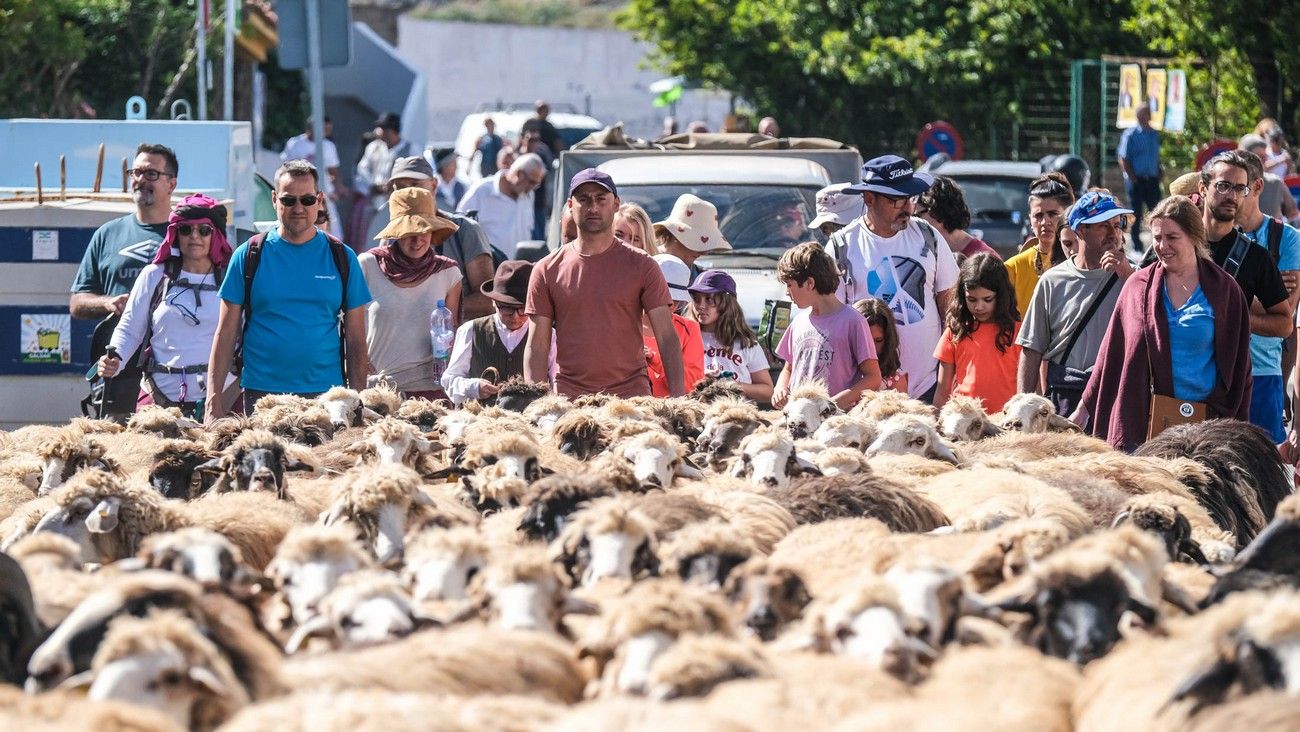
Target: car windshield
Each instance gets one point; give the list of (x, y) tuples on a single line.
[(773, 218), (993, 198)]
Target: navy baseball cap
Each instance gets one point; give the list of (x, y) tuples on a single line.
[(591, 175), (712, 282), (1094, 208), (892, 176)]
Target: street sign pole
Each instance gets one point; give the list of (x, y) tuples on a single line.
[(228, 64), (316, 80), (200, 28)]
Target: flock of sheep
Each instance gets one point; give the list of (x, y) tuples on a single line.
[(358, 562)]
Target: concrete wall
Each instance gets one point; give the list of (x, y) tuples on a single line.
[(468, 64)]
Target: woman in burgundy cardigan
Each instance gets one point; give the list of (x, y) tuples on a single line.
[(1181, 328)]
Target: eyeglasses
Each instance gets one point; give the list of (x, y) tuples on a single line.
[(187, 229), (899, 201), (149, 173), (309, 199), (189, 316), (509, 309), (1225, 188)]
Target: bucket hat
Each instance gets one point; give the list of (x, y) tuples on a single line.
[(677, 274), (412, 211), (694, 223), (836, 206)]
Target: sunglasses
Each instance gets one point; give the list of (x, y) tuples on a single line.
[(288, 201), (510, 309), (187, 229), (149, 173)]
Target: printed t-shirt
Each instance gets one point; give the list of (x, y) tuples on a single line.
[(981, 370), (827, 348), (742, 362), (595, 302), (904, 272), (117, 252), (1266, 351), (292, 342), (1056, 310)]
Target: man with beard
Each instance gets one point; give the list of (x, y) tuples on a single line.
[(593, 292), (117, 252), (1067, 316), (891, 255)]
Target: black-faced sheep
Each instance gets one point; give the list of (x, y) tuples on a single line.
[(310, 426), (256, 460), (705, 553), (811, 500), (551, 502), (712, 388), (516, 394), (1272, 560), (421, 412), (726, 423), (175, 467), (581, 433), (23, 630)]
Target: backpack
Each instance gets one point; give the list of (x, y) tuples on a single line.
[(839, 249), (253, 257), (1240, 247)]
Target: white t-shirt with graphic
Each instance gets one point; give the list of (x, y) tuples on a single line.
[(905, 273), (719, 358)]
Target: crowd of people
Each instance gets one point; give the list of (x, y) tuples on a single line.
[(902, 296)]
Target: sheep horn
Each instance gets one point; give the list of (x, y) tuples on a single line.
[(1059, 423), (686, 470), (318, 625), (78, 681)]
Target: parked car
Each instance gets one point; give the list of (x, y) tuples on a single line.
[(572, 128), (997, 192)]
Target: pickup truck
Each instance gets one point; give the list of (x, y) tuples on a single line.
[(764, 188)]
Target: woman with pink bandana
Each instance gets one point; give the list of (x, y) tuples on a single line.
[(171, 313)]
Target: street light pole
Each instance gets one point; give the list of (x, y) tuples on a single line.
[(228, 63)]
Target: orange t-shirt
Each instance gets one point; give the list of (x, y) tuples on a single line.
[(595, 303), (982, 370), (688, 332)]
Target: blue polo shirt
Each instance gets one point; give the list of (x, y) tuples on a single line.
[(292, 343), (1266, 351), (1191, 346), (1141, 148)]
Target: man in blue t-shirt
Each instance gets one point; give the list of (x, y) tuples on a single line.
[(1139, 158), (291, 344), (1268, 392), (117, 252)]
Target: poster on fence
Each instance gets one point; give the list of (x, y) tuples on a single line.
[(1130, 95), (1176, 106), (46, 338), (1156, 83)]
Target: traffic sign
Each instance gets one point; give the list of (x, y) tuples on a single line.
[(1293, 184), (335, 33), (939, 137), (1212, 148)]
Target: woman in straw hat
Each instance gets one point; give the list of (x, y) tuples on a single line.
[(407, 279)]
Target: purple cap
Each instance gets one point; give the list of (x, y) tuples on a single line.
[(712, 282), (591, 175)]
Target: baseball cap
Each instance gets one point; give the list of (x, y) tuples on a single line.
[(892, 176), (415, 167), (835, 206), (591, 175), (1094, 208), (713, 282), (676, 273), (1250, 140)]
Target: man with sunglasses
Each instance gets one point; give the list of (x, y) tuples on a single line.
[(117, 253), (891, 255), (490, 349), (291, 341)]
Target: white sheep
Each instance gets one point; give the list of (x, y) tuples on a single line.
[(808, 406), (909, 434), (963, 419), (1034, 413)]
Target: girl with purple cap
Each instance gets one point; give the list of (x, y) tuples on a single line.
[(171, 313), (731, 349)]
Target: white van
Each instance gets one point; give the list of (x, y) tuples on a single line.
[(572, 128)]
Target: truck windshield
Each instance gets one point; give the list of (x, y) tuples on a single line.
[(751, 217)]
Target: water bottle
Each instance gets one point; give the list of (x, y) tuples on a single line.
[(442, 332)]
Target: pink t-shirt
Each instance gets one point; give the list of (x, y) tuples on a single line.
[(827, 348)]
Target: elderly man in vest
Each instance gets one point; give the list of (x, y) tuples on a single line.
[(493, 341)]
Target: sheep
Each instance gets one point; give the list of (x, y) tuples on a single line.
[(491, 491), (13, 495), (1246, 476), (867, 623), (199, 553), (909, 434), (839, 461), (522, 589), (175, 466), (581, 433), (517, 394), (680, 416), (1023, 447), (23, 628), (164, 662), (695, 664), (1268, 561), (345, 408), (963, 419), (382, 399), (1035, 414), (21, 468), (256, 460), (272, 401), (705, 553), (52, 564), (657, 458), (711, 388), (366, 607), (767, 457), (311, 426), (878, 406), (69, 452), (309, 563), (164, 422), (821, 499), (440, 564), (983, 498), (611, 538), (826, 556), (544, 412), (380, 502), (640, 625), (394, 441), (808, 406), (467, 659), (1186, 528), (846, 430), (223, 432), (757, 516), (768, 597), (552, 500), (726, 423)]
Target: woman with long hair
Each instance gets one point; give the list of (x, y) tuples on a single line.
[(1050, 196), (977, 353), (632, 227)]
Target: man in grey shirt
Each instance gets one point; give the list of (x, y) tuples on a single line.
[(1062, 300)]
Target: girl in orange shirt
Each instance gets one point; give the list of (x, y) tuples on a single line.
[(977, 353)]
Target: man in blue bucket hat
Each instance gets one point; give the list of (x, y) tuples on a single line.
[(893, 256)]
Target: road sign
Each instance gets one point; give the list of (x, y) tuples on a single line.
[(939, 137), (1212, 148), (1293, 184), (335, 33)]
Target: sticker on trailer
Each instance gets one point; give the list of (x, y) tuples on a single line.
[(46, 338), (45, 244)]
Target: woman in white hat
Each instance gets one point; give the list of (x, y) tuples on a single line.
[(691, 230), (678, 276), (407, 279)]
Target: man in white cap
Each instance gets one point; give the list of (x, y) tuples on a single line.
[(836, 209), (891, 255)]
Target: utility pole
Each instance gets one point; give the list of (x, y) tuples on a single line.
[(317, 84), (201, 30), (228, 62)]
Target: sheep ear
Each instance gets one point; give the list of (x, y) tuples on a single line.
[(577, 606), (1207, 686), (449, 471), (215, 465), (358, 449), (204, 678), (1120, 518), (805, 466), (425, 620), (1057, 423), (318, 625), (686, 470), (82, 680), (369, 414), (334, 514), (1147, 614), (103, 518), (299, 466), (989, 429)]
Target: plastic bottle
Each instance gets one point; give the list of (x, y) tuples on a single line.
[(442, 332)]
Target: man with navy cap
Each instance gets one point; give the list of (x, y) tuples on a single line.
[(893, 256), (592, 292)]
